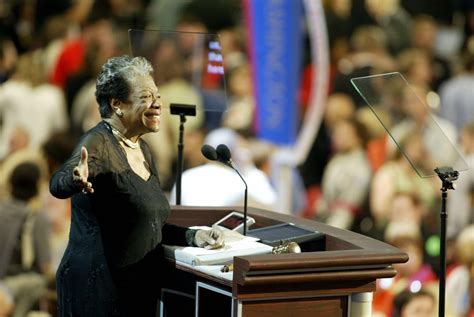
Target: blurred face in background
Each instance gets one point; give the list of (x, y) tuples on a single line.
[(419, 306), (338, 107), (344, 137), (381, 8), (405, 209), (414, 103), (415, 259), (415, 149), (424, 33), (187, 40), (240, 82), (80, 10), (420, 71), (341, 7)]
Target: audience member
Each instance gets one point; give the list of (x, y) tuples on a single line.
[(80, 87), (338, 107), (25, 261), (368, 55), (461, 201), (55, 35), (412, 276), (6, 301), (240, 114), (103, 41), (414, 304), (458, 282), (26, 95), (8, 57), (340, 27), (346, 179), (233, 47), (12, 161), (164, 15), (129, 13), (214, 184), (399, 176), (394, 20), (406, 207), (423, 37), (56, 151), (439, 135), (377, 143), (457, 95), (71, 58), (416, 66)]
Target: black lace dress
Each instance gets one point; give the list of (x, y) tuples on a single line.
[(113, 264)]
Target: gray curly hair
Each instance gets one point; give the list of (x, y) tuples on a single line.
[(115, 79)]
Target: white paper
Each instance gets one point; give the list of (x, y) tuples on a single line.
[(235, 245)]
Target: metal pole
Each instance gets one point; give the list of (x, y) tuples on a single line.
[(179, 168), (442, 254)]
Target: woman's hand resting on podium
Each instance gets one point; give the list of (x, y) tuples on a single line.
[(209, 239)]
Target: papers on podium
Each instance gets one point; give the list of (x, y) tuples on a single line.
[(235, 245)]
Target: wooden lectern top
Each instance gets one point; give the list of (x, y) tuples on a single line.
[(347, 262)]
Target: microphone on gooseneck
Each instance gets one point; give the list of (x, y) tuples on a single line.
[(223, 155), (209, 152)]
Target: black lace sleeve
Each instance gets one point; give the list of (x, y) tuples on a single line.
[(61, 184), (176, 235)]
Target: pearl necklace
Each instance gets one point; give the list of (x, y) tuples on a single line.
[(124, 139)]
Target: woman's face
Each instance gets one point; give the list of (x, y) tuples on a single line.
[(142, 111)]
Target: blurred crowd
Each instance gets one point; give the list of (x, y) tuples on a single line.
[(354, 176)]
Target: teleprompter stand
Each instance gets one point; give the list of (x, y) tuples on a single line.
[(384, 93), (182, 110), (447, 175)]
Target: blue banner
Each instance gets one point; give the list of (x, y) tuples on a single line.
[(275, 44)]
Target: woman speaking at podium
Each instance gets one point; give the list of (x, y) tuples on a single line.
[(113, 265)]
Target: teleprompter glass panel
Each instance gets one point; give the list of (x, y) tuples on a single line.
[(427, 141)]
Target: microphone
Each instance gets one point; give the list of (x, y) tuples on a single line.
[(209, 152), (223, 155)]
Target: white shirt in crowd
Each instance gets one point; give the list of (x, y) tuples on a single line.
[(215, 184)]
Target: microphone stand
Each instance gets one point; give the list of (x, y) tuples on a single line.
[(182, 110), (223, 155), (447, 175), (245, 198), (180, 164)]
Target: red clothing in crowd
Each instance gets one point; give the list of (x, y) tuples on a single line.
[(69, 62)]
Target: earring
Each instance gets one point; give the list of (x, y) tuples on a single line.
[(119, 112)]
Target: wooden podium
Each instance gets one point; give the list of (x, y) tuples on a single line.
[(336, 280)]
